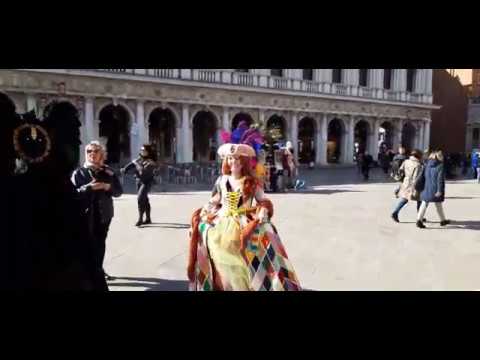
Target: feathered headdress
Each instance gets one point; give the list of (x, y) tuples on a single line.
[(243, 141)]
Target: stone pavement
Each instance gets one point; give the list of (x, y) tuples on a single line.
[(337, 232)]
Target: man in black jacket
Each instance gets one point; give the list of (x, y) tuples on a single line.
[(145, 171), (96, 184)]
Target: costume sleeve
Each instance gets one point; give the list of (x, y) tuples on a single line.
[(260, 194), (116, 189), (130, 166), (80, 183), (217, 189)]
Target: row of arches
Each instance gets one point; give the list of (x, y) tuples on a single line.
[(115, 122), (114, 125)]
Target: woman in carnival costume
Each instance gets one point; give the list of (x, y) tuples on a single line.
[(233, 244)]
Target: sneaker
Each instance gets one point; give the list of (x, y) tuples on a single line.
[(395, 218), (420, 225), (139, 223), (444, 222), (147, 222)]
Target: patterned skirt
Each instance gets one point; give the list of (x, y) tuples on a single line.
[(264, 266)]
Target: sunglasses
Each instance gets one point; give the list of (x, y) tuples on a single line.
[(89, 151)]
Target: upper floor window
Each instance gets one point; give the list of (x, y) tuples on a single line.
[(276, 72), (242, 70), (337, 76), (363, 77), (307, 74), (387, 78), (411, 79)]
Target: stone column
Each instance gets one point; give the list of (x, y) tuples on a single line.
[(226, 120), (294, 134), (90, 131), (398, 134), (261, 117), (349, 141), (321, 140), (421, 135), (426, 141), (428, 81), (32, 103), (374, 139), (187, 138), (420, 82), (142, 135)]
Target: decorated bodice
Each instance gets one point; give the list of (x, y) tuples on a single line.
[(231, 199)]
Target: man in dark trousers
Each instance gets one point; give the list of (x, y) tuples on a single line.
[(145, 171), (96, 184), (365, 161)]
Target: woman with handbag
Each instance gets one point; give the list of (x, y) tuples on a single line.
[(433, 189), (411, 168)]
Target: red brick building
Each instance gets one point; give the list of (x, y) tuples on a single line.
[(449, 124), (475, 83)]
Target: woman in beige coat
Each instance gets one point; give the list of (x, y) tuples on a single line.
[(412, 168)]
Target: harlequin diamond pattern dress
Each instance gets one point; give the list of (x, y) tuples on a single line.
[(264, 266)]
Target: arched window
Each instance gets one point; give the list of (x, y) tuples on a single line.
[(337, 76), (363, 77)]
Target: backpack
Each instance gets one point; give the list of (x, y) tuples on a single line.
[(398, 174)]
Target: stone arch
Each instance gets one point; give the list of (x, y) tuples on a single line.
[(336, 140), (307, 139), (241, 116), (409, 132), (361, 130), (165, 106), (204, 128), (386, 135), (99, 105), (114, 126), (278, 121), (162, 133), (66, 130)]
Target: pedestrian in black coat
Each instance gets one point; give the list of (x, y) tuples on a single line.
[(145, 167), (97, 184)]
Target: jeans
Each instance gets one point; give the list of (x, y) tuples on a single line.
[(401, 203)]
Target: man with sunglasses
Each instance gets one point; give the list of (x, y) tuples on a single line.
[(96, 184)]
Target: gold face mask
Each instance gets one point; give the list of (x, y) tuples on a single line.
[(34, 133)]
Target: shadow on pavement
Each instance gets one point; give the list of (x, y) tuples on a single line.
[(150, 284), (167, 226), (460, 197), (469, 225), (323, 192)]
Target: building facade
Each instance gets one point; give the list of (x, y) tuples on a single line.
[(473, 124), (449, 123), (326, 113)]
